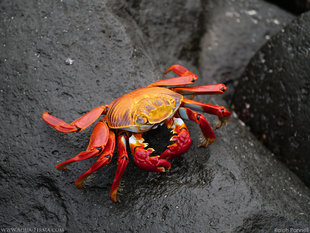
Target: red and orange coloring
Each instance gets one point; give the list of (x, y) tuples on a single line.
[(141, 110)]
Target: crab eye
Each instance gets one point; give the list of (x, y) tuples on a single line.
[(141, 119), (177, 102)]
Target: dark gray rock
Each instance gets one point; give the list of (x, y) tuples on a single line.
[(173, 28), (273, 95), (235, 30), (294, 6), (235, 185)]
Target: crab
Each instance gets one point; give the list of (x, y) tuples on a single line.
[(129, 116)]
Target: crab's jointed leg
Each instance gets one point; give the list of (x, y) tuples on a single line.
[(220, 111), (121, 164), (207, 132), (142, 157), (97, 143), (185, 77), (179, 70), (201, 90), (104, 159), (181, 139), (78, 125)]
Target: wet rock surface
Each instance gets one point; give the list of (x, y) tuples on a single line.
[(235, 30), (173, 28), (273, 95), (69, 57)]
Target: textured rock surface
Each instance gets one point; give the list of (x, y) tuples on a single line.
[(273, 95), (235, 185), (235, 30), (173, 28)]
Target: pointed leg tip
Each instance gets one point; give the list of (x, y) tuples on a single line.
[(219, 125), (163, 169), (46, 116), (62, 168), (167, 70), (206, 142), (79, 185), (113, 196), (222, 121), (223, 88)]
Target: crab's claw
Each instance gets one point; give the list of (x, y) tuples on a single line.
[(181, 139), (142, 157)]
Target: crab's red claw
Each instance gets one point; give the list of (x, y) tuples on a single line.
[(182, 140), (145, 162), (142, 157)]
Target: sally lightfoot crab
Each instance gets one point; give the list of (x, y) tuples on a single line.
[(141, 110)]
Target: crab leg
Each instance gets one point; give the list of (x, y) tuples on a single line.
[(220, 111), (78, 125), (207, 132), (104, 159), (185, 77), (201, 90), (181, 139), (97, 143), (142, 157), (121, 164)]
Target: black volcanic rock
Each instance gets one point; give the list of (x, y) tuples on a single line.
[(294, 6), (235, 30), (173, 28), (273, 95), (69, 57)]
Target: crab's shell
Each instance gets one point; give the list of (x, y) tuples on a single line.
[(156, 104)]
